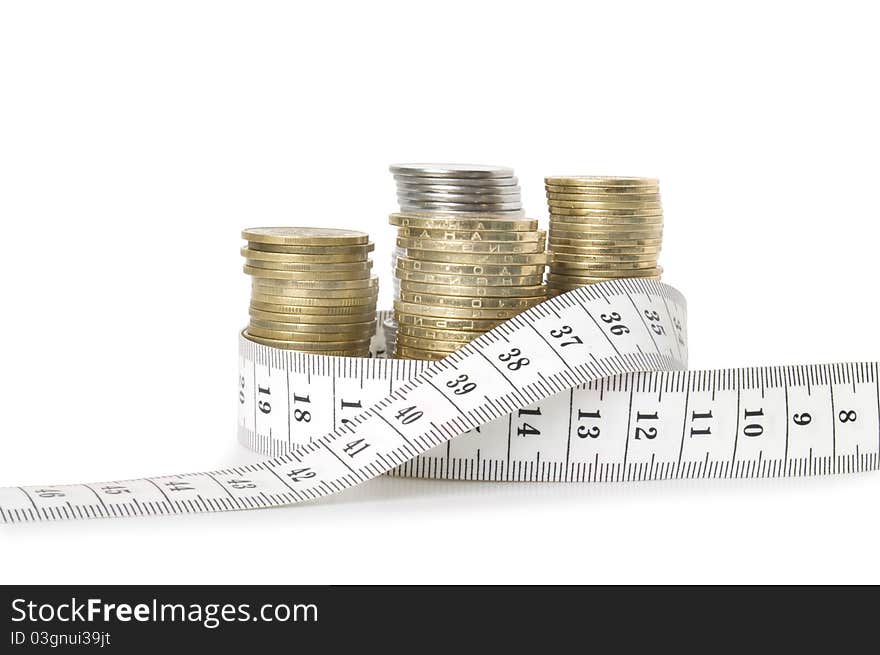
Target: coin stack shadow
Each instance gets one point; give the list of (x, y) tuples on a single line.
[(451, 190), (602, 228), (312, 289)]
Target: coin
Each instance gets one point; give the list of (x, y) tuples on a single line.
[(309, 328), (479, 258), (446, 323), (363, 284), (332, 335), (257, 286), (563, 207), (590, 210), (313, 319), (467, 280), (429, 345), (474, 291), (469, 235), (440, 205), (305, 276), (568, 214), (466, 195), (588, 266), (442, 186), (573, 222), (283, 257), (484, 247), (465, 222), (604, 181), (554, 278), (291, 308), (605, 190), (604, 251), (609, 232), (586, 238), (305, 236), (314, 302), (465, 171), (362, 250), (454, 312), (347, 267), (456, 336), (603, 197), (326, 348), (435, 300), (409, 264), (404, 352)]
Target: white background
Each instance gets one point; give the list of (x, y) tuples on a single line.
[(138, 138)]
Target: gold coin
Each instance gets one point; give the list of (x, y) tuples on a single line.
[(284, 308), (355, 286), (313, 302), (603, 197), (480, 247), (468, 235), (284, 257), (608, 232), (557, 279), (467, 280), (353, 267), (566, 246), (432, 345), (409, 264), (310, 319), (563, 214), (361, 251), (436, 300), (622, 191), (456, 336), (311, 328), (331, 276), (305, 236), (600, 180), (358, 351), (590, 239), (588, 266), (566, 222), (474, 291), (445, 323), (470, 222), (454, 312), (331, 336), (403, 352), (607, 262), (566, 207), (295, 292), (479, 258)]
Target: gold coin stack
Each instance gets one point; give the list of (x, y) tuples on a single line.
[(461, 276), (312, 289), (603, 228)]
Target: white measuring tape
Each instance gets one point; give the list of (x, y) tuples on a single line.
[(588, 386)]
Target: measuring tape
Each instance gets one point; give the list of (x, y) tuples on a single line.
[(588, 386)]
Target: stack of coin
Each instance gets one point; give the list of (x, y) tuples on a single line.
[(312, 289), (457, 188), (603, 228), (461, 276)]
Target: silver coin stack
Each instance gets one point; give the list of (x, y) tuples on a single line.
[(454, 191)]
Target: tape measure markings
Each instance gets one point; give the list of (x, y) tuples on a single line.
[(587, 386)]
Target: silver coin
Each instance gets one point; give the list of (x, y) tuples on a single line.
[(457, 181), (476, 189), (408, 205), (411, 196), (451, 170)]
